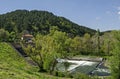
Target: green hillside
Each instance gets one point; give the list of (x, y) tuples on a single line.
[(40, 21), (13, 66)]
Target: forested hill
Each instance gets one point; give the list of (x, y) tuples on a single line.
[(40, 21)]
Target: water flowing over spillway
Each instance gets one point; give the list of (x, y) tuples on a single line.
[(87, 67)]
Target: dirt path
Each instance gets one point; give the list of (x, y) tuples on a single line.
[(20, 51)]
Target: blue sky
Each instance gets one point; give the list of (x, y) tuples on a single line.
[(95, 14)]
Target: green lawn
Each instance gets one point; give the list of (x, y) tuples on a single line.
[(13, 66)]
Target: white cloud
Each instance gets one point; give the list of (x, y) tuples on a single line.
[(118, 9), (118, 12)]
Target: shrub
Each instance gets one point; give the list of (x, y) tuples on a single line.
[(81, 76)]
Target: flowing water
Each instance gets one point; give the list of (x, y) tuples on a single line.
[(87, 67)]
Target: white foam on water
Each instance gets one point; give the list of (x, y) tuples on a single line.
[(103, 70), (89, 63), (77, 63)]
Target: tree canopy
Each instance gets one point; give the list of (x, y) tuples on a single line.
[(115, 59), (40, 21)]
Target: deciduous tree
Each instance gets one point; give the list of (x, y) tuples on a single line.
[(115, 59)]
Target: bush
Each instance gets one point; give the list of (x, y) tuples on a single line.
[(69, 75), (61, 74), (55, 73), (81, 76), (4, 35)]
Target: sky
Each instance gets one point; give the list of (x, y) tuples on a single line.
[(95, 14)]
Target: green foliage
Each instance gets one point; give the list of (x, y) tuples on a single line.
[(56, 37), (47, 48), (86, 44), (66, 64), (40, 21), (115, 59), (98, 41), (60, 43), (61, 74), (76, 44), (13, 66), (49, 62), (20, 21), (12, 37), (4, 35), (83, 76)]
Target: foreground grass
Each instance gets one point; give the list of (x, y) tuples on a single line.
[(13, 66)]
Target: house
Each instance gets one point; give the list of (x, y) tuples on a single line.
[(27, 38)]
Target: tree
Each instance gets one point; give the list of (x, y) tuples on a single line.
[(76, 45), (98, 41), (61, 43), (46, 49), (86, 44), (34, 52), (12, 37), (4, 35), (115, 59), (42, 52), (107, 43), (40, 21)]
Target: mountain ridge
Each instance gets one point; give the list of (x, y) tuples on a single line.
[(40, 21)]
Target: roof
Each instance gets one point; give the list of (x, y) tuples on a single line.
[(27, 35)]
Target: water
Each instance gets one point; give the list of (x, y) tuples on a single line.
[(86, 67), (101, 71)]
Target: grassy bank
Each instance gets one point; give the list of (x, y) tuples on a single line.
[(13, 66)]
